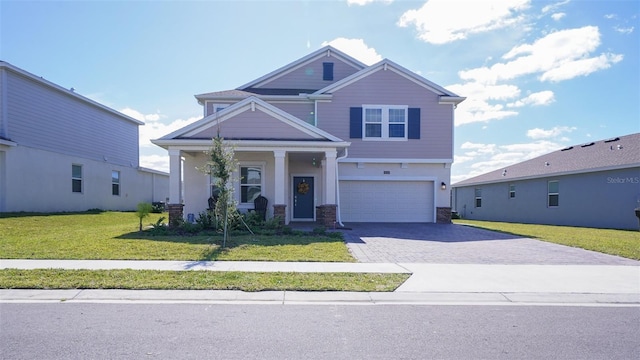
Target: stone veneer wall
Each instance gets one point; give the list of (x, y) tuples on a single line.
[(175, 214), (443, 215), (326, 215), (279, 210)]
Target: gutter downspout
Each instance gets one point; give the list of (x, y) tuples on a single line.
[(338, 215)]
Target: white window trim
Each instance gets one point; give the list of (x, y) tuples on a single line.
[(476, 197), (385, 122), (549, 193), (116, 183), (214, 106), (512, 191), (237, 186), (77, 178)]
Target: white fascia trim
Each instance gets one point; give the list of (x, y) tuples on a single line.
[(506, 179), (322, 52), (387, 64), (67, 92), (391, 161), (8, 143), (152, 171), (454, 100), (253, 145), (387, 178)]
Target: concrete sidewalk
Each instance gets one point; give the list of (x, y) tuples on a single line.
[(428, 284)]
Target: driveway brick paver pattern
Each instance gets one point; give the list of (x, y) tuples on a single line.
[(461, 244)]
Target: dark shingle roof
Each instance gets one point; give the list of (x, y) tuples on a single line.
[(618, 152)]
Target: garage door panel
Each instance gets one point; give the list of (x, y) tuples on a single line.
[(386, 201)]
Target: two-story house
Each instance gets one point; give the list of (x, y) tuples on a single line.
[(325, 138), (60, 151)]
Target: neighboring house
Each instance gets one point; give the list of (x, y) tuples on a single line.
[(325, 138), (592, 185), (60, 151)]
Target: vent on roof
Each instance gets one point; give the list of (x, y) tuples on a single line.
[(587, 145), (612, 140), (568, 148)]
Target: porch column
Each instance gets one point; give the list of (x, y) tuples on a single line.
[(175, 186), (279, 203), (330, 177)]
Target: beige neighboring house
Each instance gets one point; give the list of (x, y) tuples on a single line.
[(325, 138), (60, 151)]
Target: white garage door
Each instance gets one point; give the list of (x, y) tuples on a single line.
[(386, 201)]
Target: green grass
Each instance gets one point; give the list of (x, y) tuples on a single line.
[(197, 280), (623, 243), (115, 235)]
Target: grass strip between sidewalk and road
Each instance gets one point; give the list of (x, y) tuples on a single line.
[(198, 280), (625, 243)]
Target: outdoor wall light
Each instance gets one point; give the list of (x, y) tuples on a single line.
[(443, 186)]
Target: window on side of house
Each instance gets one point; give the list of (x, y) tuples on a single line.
[(327, 71), (76, 178), (512, 191), (553, 193), (478, 198), (251, 183), (115, 183), (385, 122)]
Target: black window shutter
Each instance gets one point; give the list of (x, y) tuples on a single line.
[(327, 71), (414, 123), (355, 123)]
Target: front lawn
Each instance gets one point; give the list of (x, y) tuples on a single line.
[(623, 243), (115, 236)]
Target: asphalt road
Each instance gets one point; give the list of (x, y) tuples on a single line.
[(206, 331)]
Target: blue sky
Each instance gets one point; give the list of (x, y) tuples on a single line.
[(538, 75)]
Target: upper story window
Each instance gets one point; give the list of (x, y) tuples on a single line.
[(384, 122), (76, 178), (212, 108), (553, 193), (115, 182), (478, 198), (327, 71), (512, 191)]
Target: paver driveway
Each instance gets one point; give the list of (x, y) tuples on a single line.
[(459, 244)]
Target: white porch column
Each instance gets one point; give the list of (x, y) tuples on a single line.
[(330, 177), (280, 177), (175, 176)]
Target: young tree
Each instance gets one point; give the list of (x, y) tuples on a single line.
[(221, 165), (144, 209)]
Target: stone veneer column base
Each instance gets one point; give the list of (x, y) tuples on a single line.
[(175, 214), (443, 215), (279, 211), (326, 215)]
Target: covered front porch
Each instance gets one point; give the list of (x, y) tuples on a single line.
[(298, 180)]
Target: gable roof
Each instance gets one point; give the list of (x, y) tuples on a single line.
[(615, 153), (322, 52), (68, 92), (248, 104), (446, 96)]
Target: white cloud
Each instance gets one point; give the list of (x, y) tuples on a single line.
[(490, 157), (445, 21), (558, 16), (622, 30), (535, 99), (366, 2), (560, 55), (356, 48), (556, 131), (553, 7), (153, 127), (157, 162), (610, 16), (476, 108)]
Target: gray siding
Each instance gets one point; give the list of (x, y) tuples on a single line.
[(309, 76), (253, 125), (302, 110), (604, 199), (47, 119), (390, 88)]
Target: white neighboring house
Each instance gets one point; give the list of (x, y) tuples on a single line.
[(60, 151)]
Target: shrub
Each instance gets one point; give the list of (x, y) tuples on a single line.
[(157, 207)]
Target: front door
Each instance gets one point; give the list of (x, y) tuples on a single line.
[(303, 197)]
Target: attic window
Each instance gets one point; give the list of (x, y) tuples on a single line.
[(612, 140), (568, 148), (587, 145), (327, 71)]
